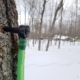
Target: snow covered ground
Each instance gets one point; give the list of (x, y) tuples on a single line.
[(56, 64)]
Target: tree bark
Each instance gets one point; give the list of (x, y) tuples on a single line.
[(8, 41)]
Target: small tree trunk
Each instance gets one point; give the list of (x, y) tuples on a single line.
[(47, 44), (8, 42), (41, 22), (76, 20), (53, 22), (60, 28)]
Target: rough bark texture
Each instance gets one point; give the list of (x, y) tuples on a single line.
[(8, 41)]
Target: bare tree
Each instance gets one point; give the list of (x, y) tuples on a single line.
[(76, 19), (60, 33), (52, 26), (41, 22), (32, 14)]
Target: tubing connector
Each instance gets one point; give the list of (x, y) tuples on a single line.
[(23, 30)]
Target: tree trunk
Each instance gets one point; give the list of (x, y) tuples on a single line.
[(8, 41), (53, 23), (60, 28)]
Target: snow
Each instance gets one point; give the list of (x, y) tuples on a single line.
[(55, 64), (62, 37)]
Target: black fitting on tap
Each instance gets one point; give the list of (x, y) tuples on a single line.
[(23, 30)]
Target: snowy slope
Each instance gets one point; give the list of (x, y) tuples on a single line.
[(63, 64)]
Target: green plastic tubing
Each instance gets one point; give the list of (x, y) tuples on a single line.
[(21, 57)]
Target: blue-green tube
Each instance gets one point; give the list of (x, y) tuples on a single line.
[(21, 57)]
